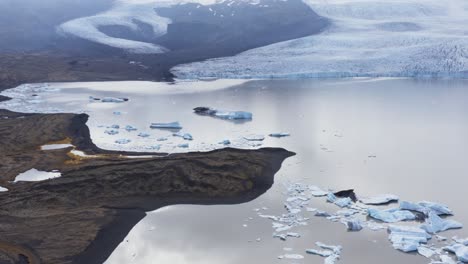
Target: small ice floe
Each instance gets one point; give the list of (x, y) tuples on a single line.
[(330, 253), (444, 259), (353, 224), (117, 113), (111, 132), (391, 215), (184, 145), (407, 238), (463, 241), (123, 141), (320, 213), (341, 202), (113, 100), (225, 142), (291, 256), (34, 175), (285, 236), (425, 207), (3, 189), (185, 136), (55, 146), (254, 137), (130, 128), (461, 251), (279, 135), (374, 226), (230, 115), (426, 252), (171, 125), (154, 147), (379, 199), (317, 192), (162, 139), (115, 126), (143, 135), (435, 224)]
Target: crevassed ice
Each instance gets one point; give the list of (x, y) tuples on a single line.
[(366, 38), (123, 13)]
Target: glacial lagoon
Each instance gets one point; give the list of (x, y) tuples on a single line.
[(400, 136)]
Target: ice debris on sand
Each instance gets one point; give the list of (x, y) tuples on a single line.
[(229, 115), (122, 141), (379, 199), (171, 125), (3, 189)]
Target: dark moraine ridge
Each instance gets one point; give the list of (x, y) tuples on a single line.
[(82, 216), (197, 33)]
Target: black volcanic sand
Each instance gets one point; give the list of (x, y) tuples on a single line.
[(34, 52), (82, 216)]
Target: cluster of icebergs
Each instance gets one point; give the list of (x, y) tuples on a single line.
[(364, 212)]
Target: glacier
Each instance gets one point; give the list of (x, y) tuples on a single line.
[(367, 38)]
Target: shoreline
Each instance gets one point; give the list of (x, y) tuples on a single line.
[(82, 216)]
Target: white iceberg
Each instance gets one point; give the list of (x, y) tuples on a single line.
[(341, 202), (34, 175), (3, 189), (435, 224), (291, 256), (353, 224), (171, 125), (391, 215), (379, 199)]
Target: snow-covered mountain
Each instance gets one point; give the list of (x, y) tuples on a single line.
[(368, 38)]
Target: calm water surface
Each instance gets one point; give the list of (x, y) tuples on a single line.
[(417, 130)]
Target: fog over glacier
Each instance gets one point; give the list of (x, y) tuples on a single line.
[(367, 38)]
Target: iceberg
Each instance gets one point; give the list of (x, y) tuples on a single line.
[(407, 238), (111, 132), (317, 192), (122, 141), (185, 136), (184, 145), (162, 139), (426, 252), (291, 256), (331, 253), (353, 225), (130, 128), (391, 215), (230, 115), (113, 100), (279, 135), (379, 199), (435, 224), (143, 135), (341, 202), (425, 207), (254, 138), (461, 251), (172, 125)]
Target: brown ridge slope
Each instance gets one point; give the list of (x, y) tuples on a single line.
[(82, 216)]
